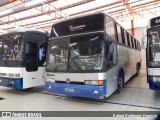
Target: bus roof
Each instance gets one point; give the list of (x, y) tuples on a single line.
[(79, 16)]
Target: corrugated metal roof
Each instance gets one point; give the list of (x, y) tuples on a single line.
[(42, 15)]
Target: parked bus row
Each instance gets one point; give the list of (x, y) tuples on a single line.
[(88, 56)]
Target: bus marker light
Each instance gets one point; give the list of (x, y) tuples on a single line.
[(33, 78), (100, 82), (68, 80)]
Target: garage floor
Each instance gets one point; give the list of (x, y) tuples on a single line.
[(136, 96)]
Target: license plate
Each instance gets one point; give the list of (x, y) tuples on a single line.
[(69, 90)]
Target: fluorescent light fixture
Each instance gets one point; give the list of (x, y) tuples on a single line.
[(16, 37), (5, 12), (33, 2), (1, 30), (73, 44), (76, 52), (53, 47)]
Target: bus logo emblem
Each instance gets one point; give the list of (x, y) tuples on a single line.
[(68, 81), (77, 27)]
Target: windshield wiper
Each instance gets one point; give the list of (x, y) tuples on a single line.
[(76, 65)]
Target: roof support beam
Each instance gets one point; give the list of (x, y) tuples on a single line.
[(128, 7), (8, 3), (155, 2), (48, 12), (49, 21), (47, 7)]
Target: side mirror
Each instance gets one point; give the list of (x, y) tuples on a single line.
[(144, 39), (27, 48)]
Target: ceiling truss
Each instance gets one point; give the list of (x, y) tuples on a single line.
[(119, 9)]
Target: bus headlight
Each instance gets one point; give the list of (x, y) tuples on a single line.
[(93, 82), (156, 79)]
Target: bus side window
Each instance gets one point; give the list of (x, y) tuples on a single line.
[(119, 35), (115, 56), (131, 42), (123, 37), (135, 43), (112, 54), (128, 39), (110, 28), (1, 51), (42, 53)]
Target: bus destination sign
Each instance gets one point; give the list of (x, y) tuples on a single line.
[(155, 21)]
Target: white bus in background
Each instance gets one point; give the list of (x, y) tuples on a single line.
[(151, 42), (90, 56), (23, 58)]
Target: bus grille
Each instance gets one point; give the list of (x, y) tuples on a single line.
[(72, 82)]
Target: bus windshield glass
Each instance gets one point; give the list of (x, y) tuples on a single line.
[(154, 47), (12, 46), (76, 54)]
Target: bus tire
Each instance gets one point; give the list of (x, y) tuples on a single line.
[(137, 70), (120, 83)]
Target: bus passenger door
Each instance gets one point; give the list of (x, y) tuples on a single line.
[(111, 62), (31, 56)]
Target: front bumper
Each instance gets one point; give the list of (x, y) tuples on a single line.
[(154, 85), (12, 82), (86, 91)]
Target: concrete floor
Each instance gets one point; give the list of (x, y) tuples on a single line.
[(136, 96)]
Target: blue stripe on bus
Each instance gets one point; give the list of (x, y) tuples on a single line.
[(12, 82), (154, 85), (86, 91)]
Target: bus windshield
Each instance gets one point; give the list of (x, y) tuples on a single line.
[(12, 49), (154, 47), (76, 54)]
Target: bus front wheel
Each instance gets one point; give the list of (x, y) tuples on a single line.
[(120, 83)]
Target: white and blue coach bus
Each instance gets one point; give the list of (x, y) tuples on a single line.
[(23, 58), (151, 41), (90, 56)]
